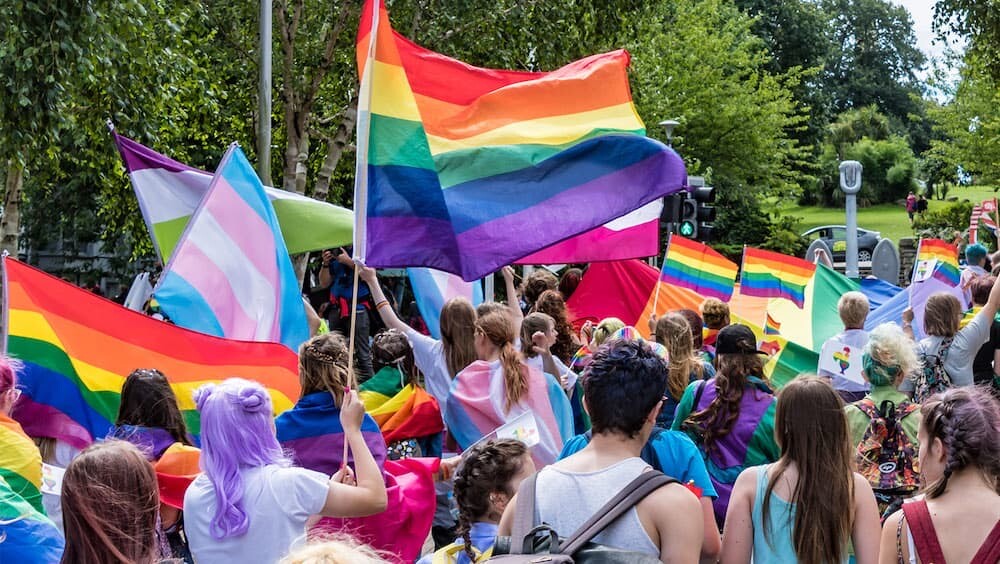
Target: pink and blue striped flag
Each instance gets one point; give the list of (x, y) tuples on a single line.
[(230, 274), (434, 288)]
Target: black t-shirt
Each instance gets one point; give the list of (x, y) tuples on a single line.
[(983, 363)]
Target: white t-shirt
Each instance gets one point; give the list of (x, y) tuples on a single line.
[(277, 501), (961, 353), (538, 363), (428, 355), (856, 338)]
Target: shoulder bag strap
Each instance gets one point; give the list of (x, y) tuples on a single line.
[(643, 485), (918, 519), (524, 514), (697, 395)]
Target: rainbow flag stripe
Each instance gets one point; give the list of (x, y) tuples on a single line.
[(78, 347), (767, 274), (27, 534), (771, 327), (946, 255), (696, 266), (462, 162), (20, 462)]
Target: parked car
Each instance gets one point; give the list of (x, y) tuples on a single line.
[(835, 236)]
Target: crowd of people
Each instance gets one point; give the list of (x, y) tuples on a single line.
[(676, 448)]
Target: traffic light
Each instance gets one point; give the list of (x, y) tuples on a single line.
[(703, 197), (687, 222)]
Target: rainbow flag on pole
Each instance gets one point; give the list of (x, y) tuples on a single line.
[(77, 349), (946, 255), (230, 274), (771, 327), (696, 266), (767, 274), (465, 169)]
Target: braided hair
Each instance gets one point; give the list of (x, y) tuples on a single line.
[(392, 348), (323, 365), (485, 470), (967, 420)]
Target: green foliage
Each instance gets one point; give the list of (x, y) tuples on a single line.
[(976, 20), (944, 223)]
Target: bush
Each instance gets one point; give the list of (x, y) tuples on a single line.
[(945, 222)]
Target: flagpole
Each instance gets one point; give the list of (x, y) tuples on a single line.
[(656, 296)]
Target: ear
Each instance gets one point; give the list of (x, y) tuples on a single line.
[(499, 501), (937, 450), (651, 417)]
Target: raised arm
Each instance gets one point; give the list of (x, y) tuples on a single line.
[(516, 315), (385, 310), (908, 323), (368, 497), (993, 303)]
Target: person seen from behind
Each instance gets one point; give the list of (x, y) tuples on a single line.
[(986, 365), (975, 267), (685, 365), (552, 304), (337, 273), (853, 309), (715, 313), (810, 505), (535, 284), (538, 336)]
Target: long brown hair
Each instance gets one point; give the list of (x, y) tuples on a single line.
[(719, 417), (674, 332), (533, 323), (458, 321), (323, 365), (811, 429), (552, 303), (500, 331), (110, 504), (147, 400)]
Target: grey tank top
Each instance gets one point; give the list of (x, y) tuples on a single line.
[(565, 500)]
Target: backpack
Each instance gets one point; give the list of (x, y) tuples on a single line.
[(933, 378), (530, 543), (886, 456)]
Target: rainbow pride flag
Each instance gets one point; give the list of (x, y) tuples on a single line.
[(401, 413), (767, 274), (77, 349), (946, 256), (696, 266), (465, 169), (27, 536), (771, 327), (20, 462)]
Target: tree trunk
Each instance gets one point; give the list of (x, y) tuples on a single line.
[(10, 225), (335, 149)]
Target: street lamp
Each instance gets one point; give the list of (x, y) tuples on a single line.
[(668, 126)]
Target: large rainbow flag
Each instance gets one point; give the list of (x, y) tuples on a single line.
[(465, 169), (230, 274), (77, 349), (696, 266), (768, 274), (946, 256)]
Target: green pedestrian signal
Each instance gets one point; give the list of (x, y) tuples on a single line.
[(686, 229)]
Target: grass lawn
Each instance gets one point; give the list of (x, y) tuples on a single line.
[(889, 219)]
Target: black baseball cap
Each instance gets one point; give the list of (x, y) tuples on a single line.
[(736, 339)]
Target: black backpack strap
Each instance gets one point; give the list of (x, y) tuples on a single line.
[(636, 490), (697, 395), (524, 514)]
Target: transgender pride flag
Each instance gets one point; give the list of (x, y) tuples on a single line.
[(230, 274), (434, 288)]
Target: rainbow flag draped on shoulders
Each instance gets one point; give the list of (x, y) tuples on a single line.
[(946, 269), (230, 274), (402, 413), (77, 349), (476, 408), (27, 536), (465, 169), (20, 462), (696, 266), (767, 274)]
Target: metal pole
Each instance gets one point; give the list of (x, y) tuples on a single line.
[(264, 96), (850, 183), (489, 291)]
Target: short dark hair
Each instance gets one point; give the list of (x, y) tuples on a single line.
[(621, 385)]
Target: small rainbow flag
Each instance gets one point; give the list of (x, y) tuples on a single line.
[(946, 256), (464, 169), (767, 274), (771, 327), (77, 349), (696, 266)]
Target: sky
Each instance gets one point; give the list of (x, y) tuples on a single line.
[(922, 12)]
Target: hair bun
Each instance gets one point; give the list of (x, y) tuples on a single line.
[(253, 399), (202, 394)]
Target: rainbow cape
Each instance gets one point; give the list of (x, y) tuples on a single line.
[(476, 408), (774, 275), (78, 347), (946, 256), (401, 413), (696, 266), (27, 536), (20, 462), (456, 164)]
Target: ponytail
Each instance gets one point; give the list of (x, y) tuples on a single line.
[(515, 375)]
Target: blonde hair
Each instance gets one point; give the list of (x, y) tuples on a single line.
[(853, 309), (336, 549), (889, 346), (942, 314), (500, 331), (674, 332), (323, 365), (715, 312), (533, 323), (607, 327)]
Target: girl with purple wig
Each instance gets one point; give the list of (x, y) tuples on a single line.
[(251, 505)]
